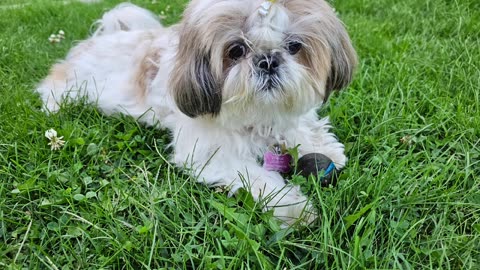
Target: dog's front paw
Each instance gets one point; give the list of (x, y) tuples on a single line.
[(291, 206), (336, 152)]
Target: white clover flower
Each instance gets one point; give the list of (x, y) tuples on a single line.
[(50, 133), (52, 38), (56, 38), (221, 189), (55, 142)]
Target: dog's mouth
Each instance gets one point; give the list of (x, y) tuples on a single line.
[(269, 83)]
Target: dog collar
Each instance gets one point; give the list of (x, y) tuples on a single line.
[(265, 7), (277, 159)]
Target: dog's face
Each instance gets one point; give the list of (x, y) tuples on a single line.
[(239, 57)]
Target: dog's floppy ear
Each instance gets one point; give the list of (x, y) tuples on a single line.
[(194, 87), (343, 59), (329, 52)]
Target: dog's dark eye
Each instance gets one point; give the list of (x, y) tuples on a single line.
[(294, 47), (237, 50)]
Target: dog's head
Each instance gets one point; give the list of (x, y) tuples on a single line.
[(259, 57)]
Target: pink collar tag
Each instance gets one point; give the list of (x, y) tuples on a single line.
[(277, 162)]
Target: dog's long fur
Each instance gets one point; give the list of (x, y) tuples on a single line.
[(224, 111)]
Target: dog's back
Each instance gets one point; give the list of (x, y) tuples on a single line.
[(126, 17), (114, 67)]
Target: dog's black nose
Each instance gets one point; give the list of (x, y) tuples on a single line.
[(268, 63)]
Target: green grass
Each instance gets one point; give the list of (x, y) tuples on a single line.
[(408, 199)]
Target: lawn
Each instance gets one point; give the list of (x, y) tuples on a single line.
[(409, 197)]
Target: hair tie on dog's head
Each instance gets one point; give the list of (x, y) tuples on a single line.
[(265, 7)]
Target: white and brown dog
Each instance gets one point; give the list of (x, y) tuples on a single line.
[(233, 78)]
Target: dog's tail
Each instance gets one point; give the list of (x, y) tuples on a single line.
[(126, 17)]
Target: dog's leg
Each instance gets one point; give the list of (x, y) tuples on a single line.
[(52, 89), (103, 56), (218, 158), (287, 201)]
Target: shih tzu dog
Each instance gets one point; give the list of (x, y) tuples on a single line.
[(233, 78)]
